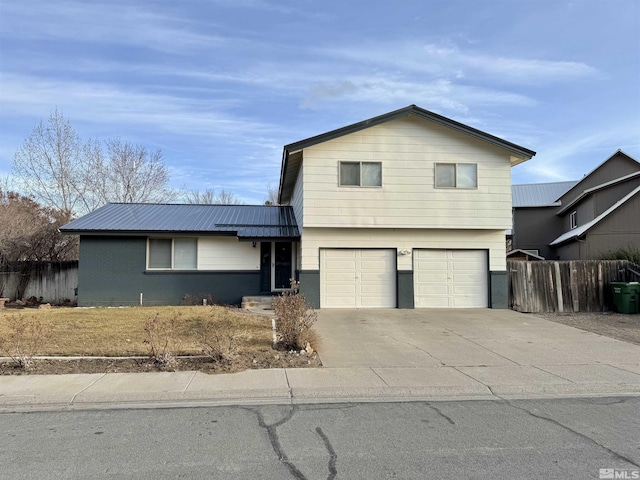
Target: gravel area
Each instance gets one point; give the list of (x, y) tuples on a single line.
[(614, 325)]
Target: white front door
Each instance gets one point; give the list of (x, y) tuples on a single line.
[(450, 278), (357, 278)]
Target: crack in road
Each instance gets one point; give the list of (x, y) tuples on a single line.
[(275, 441), (437, 410), (277, 447), (333, 457), (553, 421)]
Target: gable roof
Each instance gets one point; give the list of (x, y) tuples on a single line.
[(583, 229), (287, 179), (243, 221), (586, 176), (539, 194), (602, 186)]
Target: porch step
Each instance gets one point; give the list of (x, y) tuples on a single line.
[(260, 303)]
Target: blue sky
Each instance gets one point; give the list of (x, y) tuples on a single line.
[(221, 85)]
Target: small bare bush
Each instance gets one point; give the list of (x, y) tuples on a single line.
[(294, 320), (201, 299), (222, 347), (26, 336), (162, 338)]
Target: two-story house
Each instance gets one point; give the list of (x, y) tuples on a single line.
[(591, 217), (408, 209)]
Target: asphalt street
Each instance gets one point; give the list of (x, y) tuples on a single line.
[(528, 439)]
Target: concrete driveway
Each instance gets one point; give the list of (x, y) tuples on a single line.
[(464, 338)]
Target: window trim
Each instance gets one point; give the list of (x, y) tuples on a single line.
[(455, 178), (173, 256), (573, 219), (359, 163)]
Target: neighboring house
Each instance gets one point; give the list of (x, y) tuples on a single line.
[(405, 210), (535, 224), (598, 214)]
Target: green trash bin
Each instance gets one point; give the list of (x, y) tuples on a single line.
[(626, 296)]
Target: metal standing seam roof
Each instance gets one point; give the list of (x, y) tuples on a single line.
[(539, 194), (244, 221)]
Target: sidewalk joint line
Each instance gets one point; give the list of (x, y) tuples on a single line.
[(189, 382), (73, 399), (475, 380), (378, 375), (417, 348), (554, 374), (480, 345)]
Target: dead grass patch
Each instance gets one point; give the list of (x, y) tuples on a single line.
[(121, 331)]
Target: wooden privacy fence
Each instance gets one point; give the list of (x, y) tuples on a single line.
[(54, 282), (567, 286)]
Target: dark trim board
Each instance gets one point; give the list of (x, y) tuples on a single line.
[(112, 272), (310, 286), (405, 298), (498, 289)]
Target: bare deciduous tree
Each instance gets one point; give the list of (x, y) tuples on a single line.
[(50, 164), (272, 195), (211, 197), (129, 174), (64, 173)]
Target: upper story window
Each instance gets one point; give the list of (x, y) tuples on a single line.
[(573, 220), (173, 253), (360, 174), (456, 175)]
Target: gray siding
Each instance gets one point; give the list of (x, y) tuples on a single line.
[(112, 272), (609, 196), (534, 228), (617, 166), (621, 229)]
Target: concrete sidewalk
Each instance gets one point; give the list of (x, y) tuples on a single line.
[(277, 386)]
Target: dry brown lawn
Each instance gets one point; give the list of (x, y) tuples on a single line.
[(120, 331)]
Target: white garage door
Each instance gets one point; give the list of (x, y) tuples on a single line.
[(357, 278), (450, 278)]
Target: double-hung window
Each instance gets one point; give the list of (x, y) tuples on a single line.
[(360, 174), (573, 220), (456, 175), (173, 253)]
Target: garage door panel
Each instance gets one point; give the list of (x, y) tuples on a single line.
[(438, 290), (339, 253), (433, 277), (357, 278), (450, 278)]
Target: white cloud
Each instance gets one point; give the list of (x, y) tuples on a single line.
[(105, 23), (449, 61)]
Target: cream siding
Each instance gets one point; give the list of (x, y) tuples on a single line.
[(296, 198), (227, 253), (402, 239), (408, 149)]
